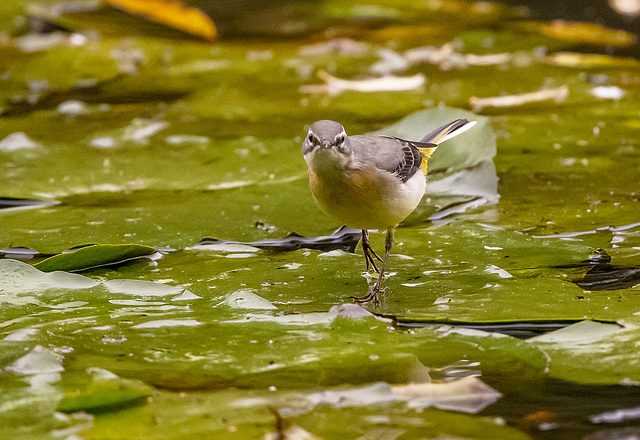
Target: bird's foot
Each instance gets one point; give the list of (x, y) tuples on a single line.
[(372, 296), (370, 255)]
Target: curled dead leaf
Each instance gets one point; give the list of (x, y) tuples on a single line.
[(558, 94), (387, 83)]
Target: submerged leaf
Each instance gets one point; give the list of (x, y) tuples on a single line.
[(598, 274), (92, 256), (609, 277)]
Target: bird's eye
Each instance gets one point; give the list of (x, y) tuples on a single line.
[(340, 140), (310, 138)]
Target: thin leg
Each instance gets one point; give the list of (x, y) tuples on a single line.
[(372, 295), (369, 253)]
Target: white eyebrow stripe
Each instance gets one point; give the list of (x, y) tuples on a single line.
[(342, 134)]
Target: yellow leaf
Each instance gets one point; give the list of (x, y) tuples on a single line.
[(172, 13), (591, 60), (590, 33)]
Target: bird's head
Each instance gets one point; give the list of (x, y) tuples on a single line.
[(327, 139)]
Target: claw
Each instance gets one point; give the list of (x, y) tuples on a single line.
[(372, 295)]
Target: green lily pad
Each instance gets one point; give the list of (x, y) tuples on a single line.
[(469, 149), (148, 137), (593, 353), (91, 256), (106, 392)]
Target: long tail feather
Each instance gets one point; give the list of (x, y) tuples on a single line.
[(448, 131)]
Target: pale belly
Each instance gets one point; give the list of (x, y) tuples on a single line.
[(367, 199)]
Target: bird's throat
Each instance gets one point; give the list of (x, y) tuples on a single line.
[(329, 162)]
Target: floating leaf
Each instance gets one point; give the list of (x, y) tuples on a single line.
[(91, 256), (461, 170), (38, 361), (591, 61), (591, 33), (106, 392), (470, 149), (387, 83), (17, 141), (593, 353), (141, 288), (245, 299), (172, 13), (17, 277), (40, 367), (294, 432), (468, 395), (227, 165), (557, 95)]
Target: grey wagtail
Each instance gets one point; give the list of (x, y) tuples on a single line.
[(370, 182)]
